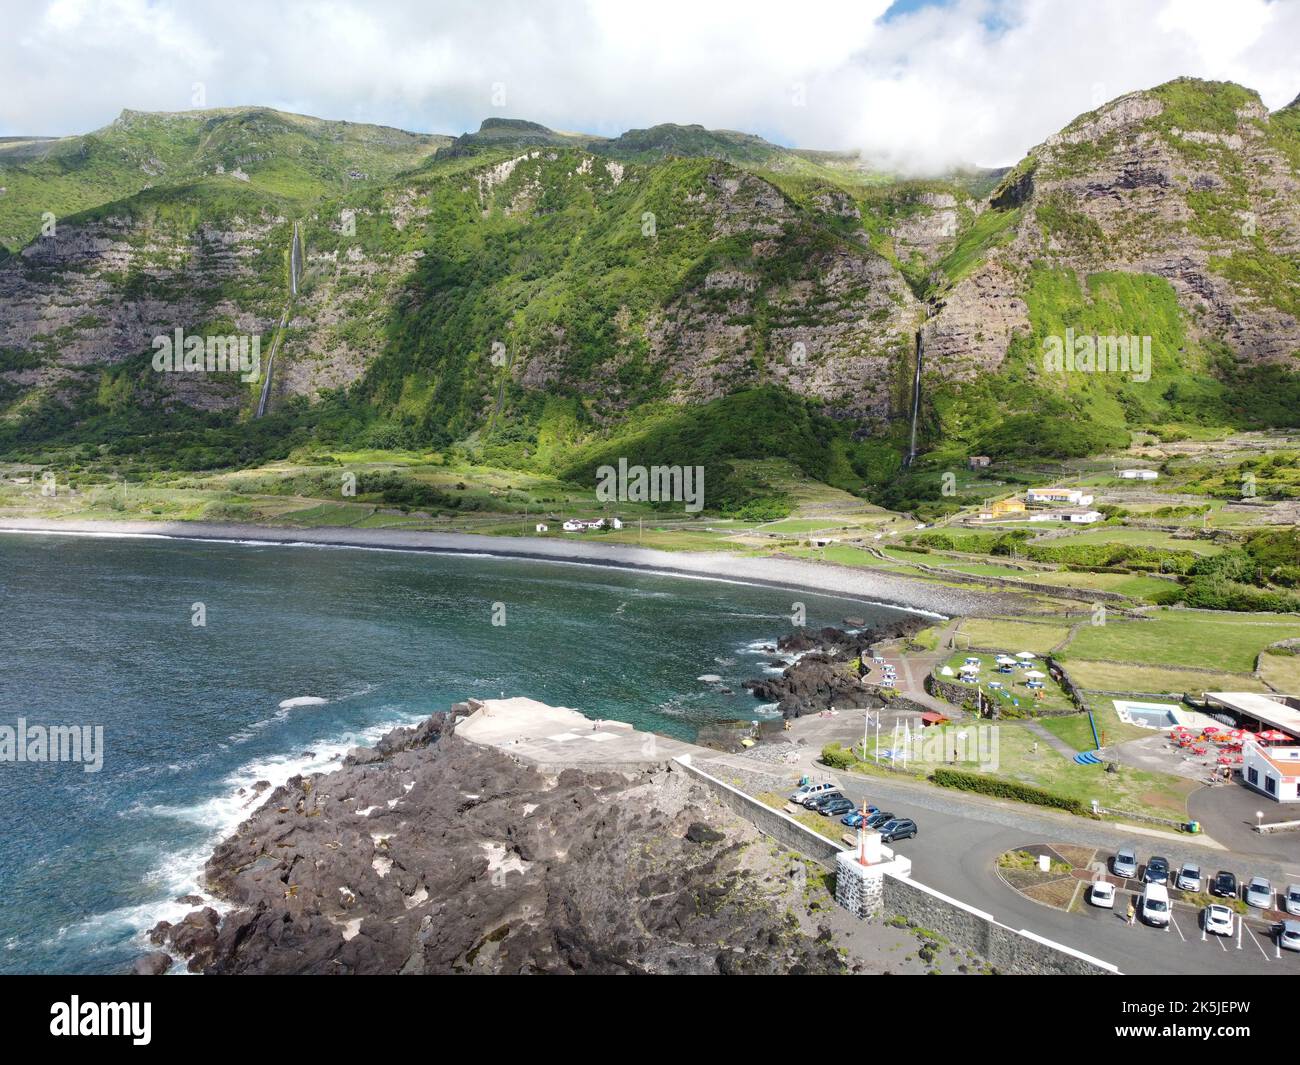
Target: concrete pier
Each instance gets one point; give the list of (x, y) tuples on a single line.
[(555, 738)]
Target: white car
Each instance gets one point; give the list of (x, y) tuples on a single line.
[(1291, 901), (1102, 894), (1288, 936), (1218, 920), (809, 790), (1189, 878), (1154, 907)]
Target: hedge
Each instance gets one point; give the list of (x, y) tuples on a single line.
[(835, 756), (1006, 789)]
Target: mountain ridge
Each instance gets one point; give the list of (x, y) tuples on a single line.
[(622, 290)]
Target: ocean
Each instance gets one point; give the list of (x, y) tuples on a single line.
[(302, 653)]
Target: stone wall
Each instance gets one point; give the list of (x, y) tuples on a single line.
[(1008, 950), (860, 889), (781, 827)]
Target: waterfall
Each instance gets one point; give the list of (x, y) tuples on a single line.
[(295, 262), (916, 400)]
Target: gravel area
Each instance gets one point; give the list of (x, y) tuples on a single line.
[(827, 578)]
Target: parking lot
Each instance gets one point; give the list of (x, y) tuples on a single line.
[(956, 852), (1254, 937), (1254, 930)]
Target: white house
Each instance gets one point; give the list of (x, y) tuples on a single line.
[(617, 523), (1074, 497), (541, 527), (1078, 515), (1139, 475), (1272, 770), (578, 525)]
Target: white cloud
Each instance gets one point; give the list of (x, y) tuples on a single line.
[(973, 80)]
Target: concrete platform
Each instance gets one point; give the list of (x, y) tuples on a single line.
[(555, 738)]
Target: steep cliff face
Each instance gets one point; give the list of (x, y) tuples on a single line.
[(1193, 182), (83, 306), (458, 294), (557, 271)]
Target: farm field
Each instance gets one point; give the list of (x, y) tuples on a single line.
[(1137, 677), (1227, 642)]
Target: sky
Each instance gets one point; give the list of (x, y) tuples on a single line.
[(916, 85)]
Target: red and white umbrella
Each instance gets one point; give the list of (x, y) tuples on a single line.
[(1273, 736), (1209, 730)]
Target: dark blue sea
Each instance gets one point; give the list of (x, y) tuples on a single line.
[(305, 652)]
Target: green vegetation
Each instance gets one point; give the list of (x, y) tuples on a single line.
[(1005, 789), (1182, 638)]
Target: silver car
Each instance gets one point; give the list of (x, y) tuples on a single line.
[(1125, 863), (1288, 936), (1189, 878), (1259, 892), (1291, 902)]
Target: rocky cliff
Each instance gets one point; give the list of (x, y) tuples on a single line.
[(429, 854)]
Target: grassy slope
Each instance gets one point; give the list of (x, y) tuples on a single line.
[(291, 157)]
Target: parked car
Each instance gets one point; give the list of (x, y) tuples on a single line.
[(1218, 919), (835, 807), (1154, 906), (1259, 892), (1157, 870), (1189, 877), (1224, 885), (899, 828), (878, 819), (1291, 901), (1102, 894), (809, 790), (1288, 935), (1125, 863), (853, 818), (816, 802)]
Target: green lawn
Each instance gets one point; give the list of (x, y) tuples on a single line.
[(1136, 677), (1077, 732), (1011, 636), (1053, 697), (1118, 534), (1282, 671), (1128, 789), (1135, 584), (1211, 640)]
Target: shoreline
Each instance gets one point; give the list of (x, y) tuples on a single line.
[(880, 589)]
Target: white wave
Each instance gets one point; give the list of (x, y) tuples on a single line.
[(302, 700), (180, 872)]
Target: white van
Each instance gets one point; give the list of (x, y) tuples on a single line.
[(1154, 906)]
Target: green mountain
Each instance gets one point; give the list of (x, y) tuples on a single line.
[(289, 156), (540, 298)]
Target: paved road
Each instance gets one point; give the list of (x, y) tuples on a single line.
[(960, 841)]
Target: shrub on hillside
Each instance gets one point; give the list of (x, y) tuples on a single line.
[(836, 757)]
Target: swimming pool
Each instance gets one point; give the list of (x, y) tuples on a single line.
[(1159, 715)]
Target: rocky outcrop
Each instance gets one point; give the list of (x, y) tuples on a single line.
[(431, 854), (823, 674)]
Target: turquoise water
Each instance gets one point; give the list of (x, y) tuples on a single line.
[(97, 631)]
